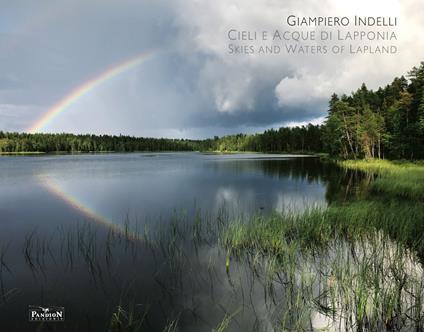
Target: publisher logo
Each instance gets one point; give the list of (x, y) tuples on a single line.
[(46, 314)]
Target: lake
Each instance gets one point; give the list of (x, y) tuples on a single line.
[(96, 234), (144, 186)]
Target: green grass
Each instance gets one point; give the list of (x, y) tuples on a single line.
[(358, 263), (369, 252), (317, 228), (351, 263), (2, 153), (394, 178), (364, 257)]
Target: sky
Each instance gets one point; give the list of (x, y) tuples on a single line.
[(189, 85)]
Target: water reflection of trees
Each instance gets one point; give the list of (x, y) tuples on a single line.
[(341, 184)]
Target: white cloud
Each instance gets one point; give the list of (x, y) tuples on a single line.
[(303, 80), (303, 90), (197, 85)]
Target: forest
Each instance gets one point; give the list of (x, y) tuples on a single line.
[(306, 139), (386, 123), (23, 142)]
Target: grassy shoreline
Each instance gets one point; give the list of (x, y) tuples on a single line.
[(355, 265), (21, 153), (373, 250), (401, 219), (394, 178), (52, 153)]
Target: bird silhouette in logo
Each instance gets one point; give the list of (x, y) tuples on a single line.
[(45, 310)]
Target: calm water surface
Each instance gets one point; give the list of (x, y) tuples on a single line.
[(63, 218), (42, 191)]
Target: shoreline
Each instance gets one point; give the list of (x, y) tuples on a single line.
[(40, 153)]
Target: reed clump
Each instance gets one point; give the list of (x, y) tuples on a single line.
[(355, 266), (394, 178)]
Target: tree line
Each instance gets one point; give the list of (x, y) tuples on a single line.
[(285, 139), (23, 142), (388, 122)]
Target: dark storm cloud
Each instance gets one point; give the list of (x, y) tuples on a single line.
[(265, 112), (190, 85)]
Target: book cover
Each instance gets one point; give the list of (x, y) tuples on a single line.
[(228, 165)]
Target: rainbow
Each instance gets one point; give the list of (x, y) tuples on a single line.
[(85, 88), (54, 188)]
